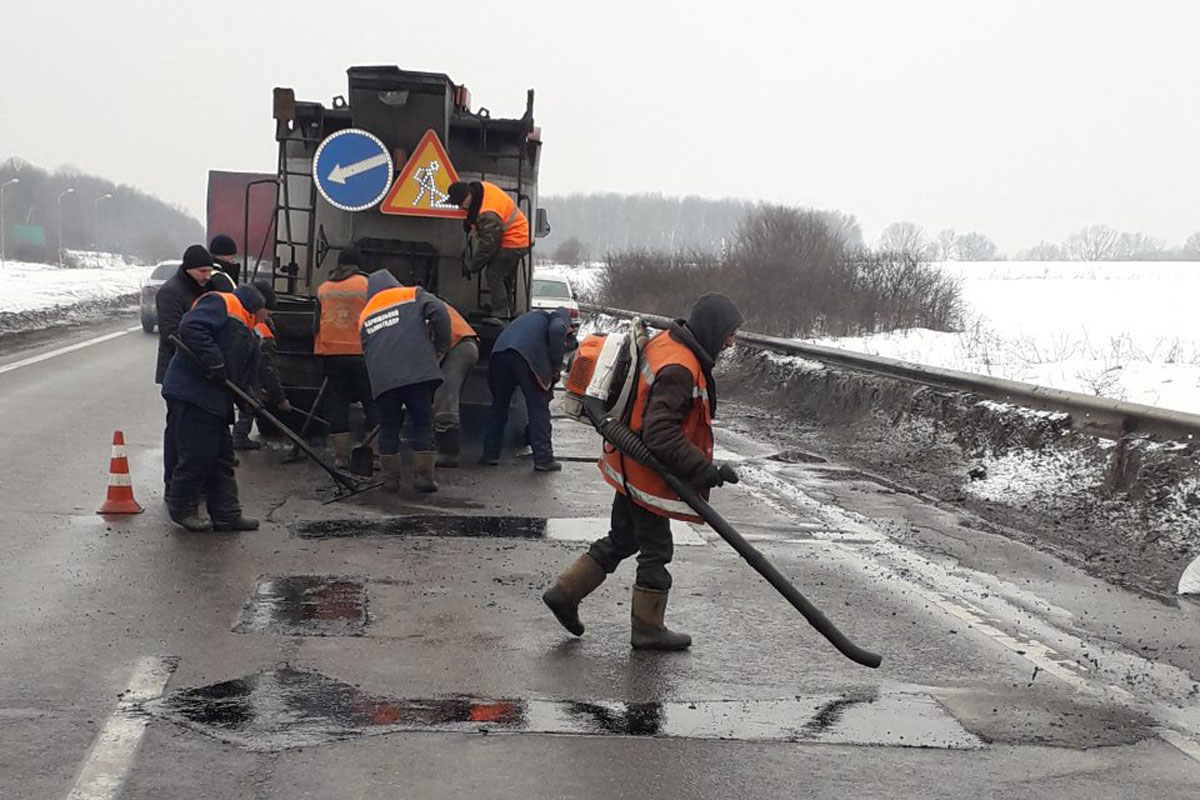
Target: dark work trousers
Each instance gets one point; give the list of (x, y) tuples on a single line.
[(418, 399), (501, 273), (170, 454), (205, 465), (348, 383), (633, 529), (508, 371)]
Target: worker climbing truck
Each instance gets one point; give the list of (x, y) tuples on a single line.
[(372, 171)]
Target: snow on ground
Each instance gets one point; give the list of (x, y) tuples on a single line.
[(1125, 330), (37, 295)]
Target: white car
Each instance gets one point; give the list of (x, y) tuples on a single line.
[(553, 290)]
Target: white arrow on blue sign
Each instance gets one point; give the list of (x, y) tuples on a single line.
[(353, 169)]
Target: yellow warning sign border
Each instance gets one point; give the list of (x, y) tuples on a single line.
[(430, 138)]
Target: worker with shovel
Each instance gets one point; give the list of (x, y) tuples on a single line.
[(675, 401), (219, 336), (405, 331)]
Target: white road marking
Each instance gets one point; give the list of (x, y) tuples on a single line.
[(947, 589), (108, 764), (25, 362)]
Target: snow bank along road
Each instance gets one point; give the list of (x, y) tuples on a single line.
[(343, 651)]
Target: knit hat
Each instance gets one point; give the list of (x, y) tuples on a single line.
[(712, 318), (350, 256), (250, 298), (458, 192), (268, 292), (196, 256), (222, 245)]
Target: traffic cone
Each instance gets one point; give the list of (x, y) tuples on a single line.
[(120, 487)]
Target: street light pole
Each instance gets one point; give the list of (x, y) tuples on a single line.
[(3, 186), (60, 233), (96, 217)]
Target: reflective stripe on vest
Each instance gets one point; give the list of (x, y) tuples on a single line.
[(459, 328), (516, 226), (342, 304), (381, 308), (636, 480)]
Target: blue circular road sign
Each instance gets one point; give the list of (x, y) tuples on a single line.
[(353, 169)]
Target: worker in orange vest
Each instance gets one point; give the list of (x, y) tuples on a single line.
[(456, 366), (501, 240), (673, 411), (340, 301)]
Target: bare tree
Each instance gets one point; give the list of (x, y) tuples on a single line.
[(1042, 251), (1140, 247), (570, 252), (904, 237), (1191, 248), (975, 246), (943, 248), (1093, 243)]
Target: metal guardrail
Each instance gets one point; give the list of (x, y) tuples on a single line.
[(1099, 416)]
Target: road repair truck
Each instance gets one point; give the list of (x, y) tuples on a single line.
[(372, 171)]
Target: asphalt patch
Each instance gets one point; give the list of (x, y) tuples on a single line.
[(285, 708), (306, 605), (425, 525)]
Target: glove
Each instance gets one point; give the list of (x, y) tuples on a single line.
[(728, 474), (715, 475), (217, 374)]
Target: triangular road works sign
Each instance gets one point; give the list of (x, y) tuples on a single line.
[(420, 191)]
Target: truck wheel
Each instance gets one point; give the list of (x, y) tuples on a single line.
[(148, 323)]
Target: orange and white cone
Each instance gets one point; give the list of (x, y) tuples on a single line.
[(120, 487)]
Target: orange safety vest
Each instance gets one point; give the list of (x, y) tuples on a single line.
[(233, 307), (516, 226), (342, 304), (459, 328), (264, 330), (382, 302), (636, 480)]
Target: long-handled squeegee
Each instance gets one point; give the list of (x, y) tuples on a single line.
[(630, 443), (347, 486)]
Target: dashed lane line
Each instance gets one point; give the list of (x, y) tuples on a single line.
[(25, 362), (108, 763)]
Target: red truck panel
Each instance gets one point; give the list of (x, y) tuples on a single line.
[(226, 211)]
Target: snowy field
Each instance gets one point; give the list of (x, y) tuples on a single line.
[(1125, 330), (37, 295)]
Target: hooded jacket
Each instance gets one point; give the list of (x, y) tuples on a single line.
[(174, 299), (540, 338), (405, 330), (219, 331)]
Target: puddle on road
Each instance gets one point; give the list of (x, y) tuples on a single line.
[(285, 708), (566, 529), (306, 605)]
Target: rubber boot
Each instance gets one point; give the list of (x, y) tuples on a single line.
[(649, 632), (241, 433), (577, 582), (423, 464), (448, 448), (191, 520), (239, 524), (343, 444), (391, 466)]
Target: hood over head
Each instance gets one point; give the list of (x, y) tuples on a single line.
[(712, 318), (379, 281)]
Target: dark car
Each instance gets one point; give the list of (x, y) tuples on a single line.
[(161, 273)]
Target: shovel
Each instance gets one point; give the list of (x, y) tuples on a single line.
[(362, 457), (296, 455)]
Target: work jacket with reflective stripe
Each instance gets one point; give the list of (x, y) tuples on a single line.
[(516, 226), (636, 480), (404, 330), (341, 304), (220, 333)]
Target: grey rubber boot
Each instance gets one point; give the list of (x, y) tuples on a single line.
[(191, 520), (449, 447), (577, 582), (649, 632), (342, 444), (391, 466), (423, 464), (238, 524)]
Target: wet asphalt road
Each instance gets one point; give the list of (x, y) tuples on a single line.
[(355, 657)]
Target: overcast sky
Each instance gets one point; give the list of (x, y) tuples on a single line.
[(1023, 120)]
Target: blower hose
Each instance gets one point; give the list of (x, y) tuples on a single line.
[(630, 444)]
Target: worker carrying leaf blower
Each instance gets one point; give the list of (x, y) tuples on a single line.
[(672, 409)]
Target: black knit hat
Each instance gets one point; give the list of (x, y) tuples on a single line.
[(250, 298), (196, 256), (222, 245), (268, 292), (712, 318), (350, 256), (457, 193)]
